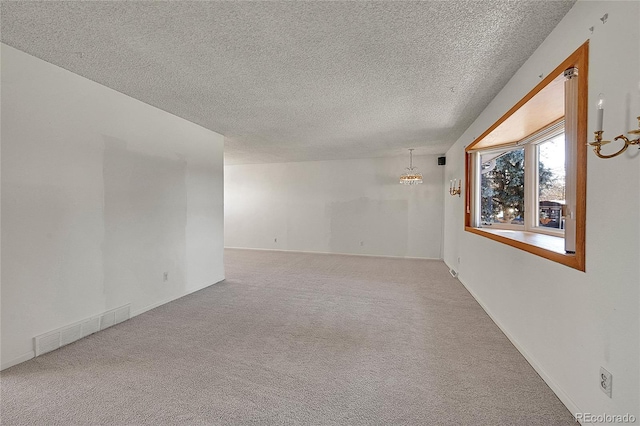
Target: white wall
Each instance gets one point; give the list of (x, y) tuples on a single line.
[(570, 323), (333, 206), (101, 194)]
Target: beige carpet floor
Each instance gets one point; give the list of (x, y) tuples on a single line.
[(293, 338)]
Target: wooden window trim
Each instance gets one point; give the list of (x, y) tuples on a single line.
[(580, 60)]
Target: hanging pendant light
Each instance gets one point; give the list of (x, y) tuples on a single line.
[(412, 176)]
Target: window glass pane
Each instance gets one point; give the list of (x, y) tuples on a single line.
[(551, 183), (502, 188)]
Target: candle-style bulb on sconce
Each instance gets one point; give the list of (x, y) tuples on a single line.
[(598, 142), (453, 190), (600, 111)]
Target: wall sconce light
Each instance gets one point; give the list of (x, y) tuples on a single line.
[(597, 144), (452, 187)]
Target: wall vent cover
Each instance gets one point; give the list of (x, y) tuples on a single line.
[(47, 343), (55, 339), (70, 334)]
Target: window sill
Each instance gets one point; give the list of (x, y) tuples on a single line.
[(548, 246)]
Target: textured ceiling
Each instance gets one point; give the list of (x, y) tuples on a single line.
[(296, 81)]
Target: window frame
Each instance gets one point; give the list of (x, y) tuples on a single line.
[(535, 197), (540, 243), (531, 197)]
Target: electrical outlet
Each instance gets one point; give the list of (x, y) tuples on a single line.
[(458, 260), (275, 240), (606, 381), (165, 277), (361, 243)]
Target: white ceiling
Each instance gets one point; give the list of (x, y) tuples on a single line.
[(297, 81)]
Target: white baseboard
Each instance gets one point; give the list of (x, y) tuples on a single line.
[(331, 252), (18, 360), (560, 393), (116, 319), (171, 299)]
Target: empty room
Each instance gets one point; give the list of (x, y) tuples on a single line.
[(320, 212)]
